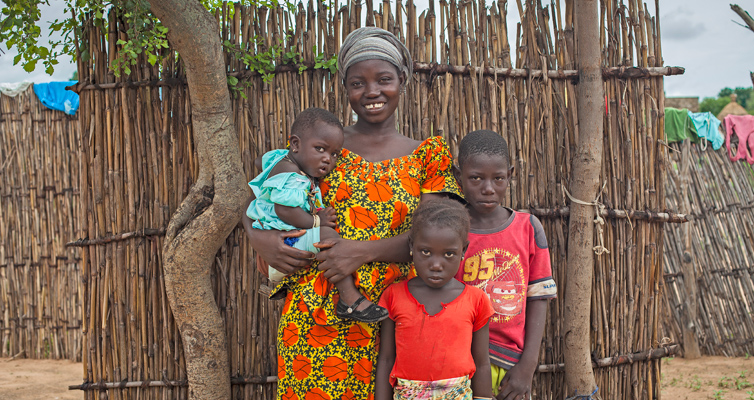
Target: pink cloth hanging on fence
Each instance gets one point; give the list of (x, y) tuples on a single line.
[(743, 126)]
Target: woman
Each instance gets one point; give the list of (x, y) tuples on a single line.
[(379, 180)]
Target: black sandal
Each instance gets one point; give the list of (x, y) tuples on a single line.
[(373, 313)]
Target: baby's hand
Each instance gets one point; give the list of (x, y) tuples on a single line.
[(327, 217)]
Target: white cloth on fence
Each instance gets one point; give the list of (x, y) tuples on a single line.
[(14, 89)]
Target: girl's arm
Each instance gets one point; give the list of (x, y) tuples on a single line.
[(295, 216), (481, 382), (383, 390), (517, 380), (342, 257), (270, 246), (299, 218)]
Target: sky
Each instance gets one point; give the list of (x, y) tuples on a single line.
[(699, 35)]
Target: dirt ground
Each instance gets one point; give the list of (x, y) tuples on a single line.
[(708, 378), (714, 378), (24, 379)]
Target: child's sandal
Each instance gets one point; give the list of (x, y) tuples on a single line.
[(373, 313)]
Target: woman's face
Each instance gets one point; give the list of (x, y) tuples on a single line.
[(374, 89)]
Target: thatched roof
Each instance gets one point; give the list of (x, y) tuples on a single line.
[(732, 108)]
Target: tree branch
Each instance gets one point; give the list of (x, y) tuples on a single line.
[(744, 15)]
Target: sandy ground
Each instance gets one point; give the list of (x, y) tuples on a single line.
[(714, 378), (708, 378), (24, 379)]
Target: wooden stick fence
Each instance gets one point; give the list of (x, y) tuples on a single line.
[(40, 280), (138, 162), (721, 194), (498, 73)]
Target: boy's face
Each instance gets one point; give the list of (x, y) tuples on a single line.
[(484, 181), (319, 149)]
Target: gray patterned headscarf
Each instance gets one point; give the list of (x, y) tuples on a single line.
[(372, 43)]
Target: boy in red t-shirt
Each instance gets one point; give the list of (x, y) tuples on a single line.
[(508, 258)]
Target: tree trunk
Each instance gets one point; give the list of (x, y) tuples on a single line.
[(214, 203), (587, 162), (690, 335)]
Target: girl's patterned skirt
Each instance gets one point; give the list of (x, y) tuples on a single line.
[(444, 389)]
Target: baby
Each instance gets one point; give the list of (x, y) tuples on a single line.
[(288, 195)]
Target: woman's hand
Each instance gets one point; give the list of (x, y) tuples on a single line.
[(340, 258), (270, 246), (327, 217)]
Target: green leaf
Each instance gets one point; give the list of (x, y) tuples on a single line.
[(152, 59), (232, 81), (30, 66), (16, 59)]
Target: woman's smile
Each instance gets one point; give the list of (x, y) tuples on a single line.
[(374, 90)]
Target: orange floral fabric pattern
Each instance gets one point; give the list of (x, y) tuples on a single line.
[(323, 356)]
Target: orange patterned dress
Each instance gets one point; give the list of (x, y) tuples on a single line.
[(323, 357)]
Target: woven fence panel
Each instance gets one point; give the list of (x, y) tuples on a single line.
[(721, 196), (40, 279)]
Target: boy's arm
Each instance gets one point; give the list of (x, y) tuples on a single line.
[(383, 390), (517, 380), (481, 382)]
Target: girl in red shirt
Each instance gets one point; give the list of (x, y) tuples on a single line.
[(435, 345)]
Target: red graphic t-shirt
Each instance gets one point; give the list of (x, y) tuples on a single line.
[(511, 264)]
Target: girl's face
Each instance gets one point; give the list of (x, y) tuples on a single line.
[(374, 89), (318, 151), (437, 254)]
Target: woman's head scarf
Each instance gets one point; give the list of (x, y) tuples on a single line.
[(372, 43)]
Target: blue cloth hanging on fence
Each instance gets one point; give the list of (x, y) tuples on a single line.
[(707, 127), (53, 95)]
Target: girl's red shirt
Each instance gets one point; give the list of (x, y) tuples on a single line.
[(434, 347)]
